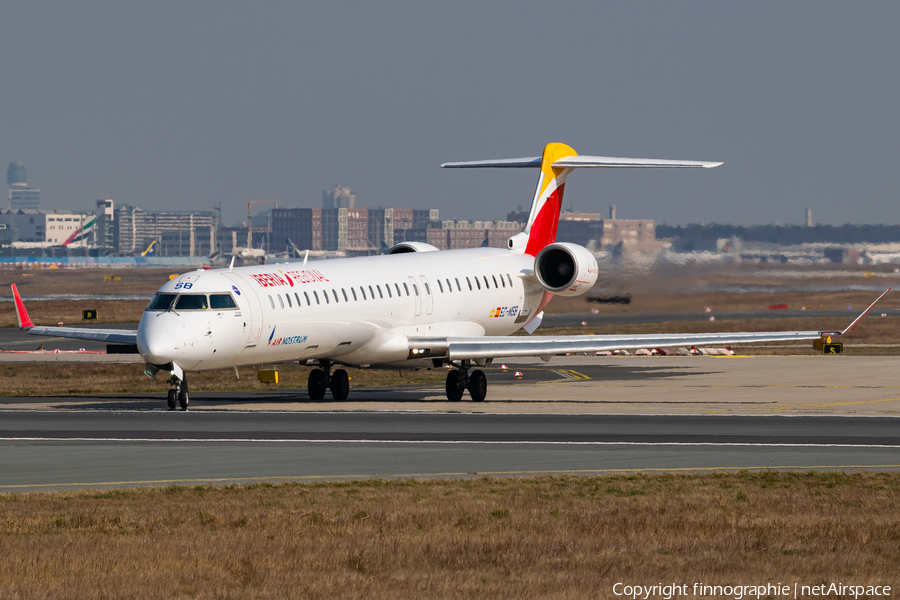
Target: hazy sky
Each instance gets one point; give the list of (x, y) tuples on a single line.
[(175, 105)]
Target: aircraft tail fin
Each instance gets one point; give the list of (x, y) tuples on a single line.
[(557, 161)]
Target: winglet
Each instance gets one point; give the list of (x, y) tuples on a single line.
[(858, 319), (21, 313)]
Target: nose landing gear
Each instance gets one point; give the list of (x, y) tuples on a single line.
[(322, 379), (178, 395), (458, 381)]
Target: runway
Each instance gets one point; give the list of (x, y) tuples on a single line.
[(64, 450), (576, 414)]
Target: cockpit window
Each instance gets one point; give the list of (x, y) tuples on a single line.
[(191, 302), (161, 302), (220, 301)]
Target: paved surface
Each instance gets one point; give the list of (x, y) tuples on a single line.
[(673, 413), (764, 385), (65, 450)]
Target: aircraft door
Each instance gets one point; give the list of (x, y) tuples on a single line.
[(429, 297), (416, 292), (249, 303)]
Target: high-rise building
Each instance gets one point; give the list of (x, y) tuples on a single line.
[(24, 198), (16, 175), (339, 197), (21, 197)]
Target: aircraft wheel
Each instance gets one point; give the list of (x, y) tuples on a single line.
[(317, 384), (183, 398), (172, 399), (477, 386), (340, 385), (454, 389)]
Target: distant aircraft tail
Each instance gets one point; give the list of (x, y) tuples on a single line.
[(151, 249), (557, 161)]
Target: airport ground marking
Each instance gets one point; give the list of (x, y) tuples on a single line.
[(448, 474), (799, 406), (438, 442)]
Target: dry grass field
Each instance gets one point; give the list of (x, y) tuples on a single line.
[(547, 537), (84, 281)]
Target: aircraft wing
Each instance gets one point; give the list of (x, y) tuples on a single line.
[(120, 336), (474, 348)]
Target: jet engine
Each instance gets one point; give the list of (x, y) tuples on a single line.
[(404, 247), (566, 269)]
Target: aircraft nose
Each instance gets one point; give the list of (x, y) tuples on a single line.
[(158, 347)]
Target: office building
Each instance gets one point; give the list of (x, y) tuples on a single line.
[(21, 197)]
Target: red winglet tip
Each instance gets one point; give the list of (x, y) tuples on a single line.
[(21, 313)]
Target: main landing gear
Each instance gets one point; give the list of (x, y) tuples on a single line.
[(322, 379), (178, 395), (458, 381)]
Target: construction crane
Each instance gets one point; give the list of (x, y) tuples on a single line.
[(250, 227)]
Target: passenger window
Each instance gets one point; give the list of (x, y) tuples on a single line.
[(508, 278), (334, 291), (371, 293), (308, 303), (352, 291), (449, 286), (477, 283), (272, 302), (297, 297), (470, 284), (388, 288), (427, 287), (380, 295), (495, 281), (288, 298), (406, 287), (458, 287), (363, 290), (416, 289), (344, 292), (440, 287), (487, 284), (280, 301)]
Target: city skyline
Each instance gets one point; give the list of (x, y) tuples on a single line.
[(175, 106)]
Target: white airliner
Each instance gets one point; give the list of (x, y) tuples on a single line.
[(413, 307)]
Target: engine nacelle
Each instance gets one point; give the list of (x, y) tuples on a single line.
[(566, 269), (404, 247)]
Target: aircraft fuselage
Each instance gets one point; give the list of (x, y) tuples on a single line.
[(356, 311)]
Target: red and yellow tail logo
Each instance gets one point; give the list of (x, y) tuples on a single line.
[(544, 217)]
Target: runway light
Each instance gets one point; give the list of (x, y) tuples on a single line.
[(503, 368), (518, 374)]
